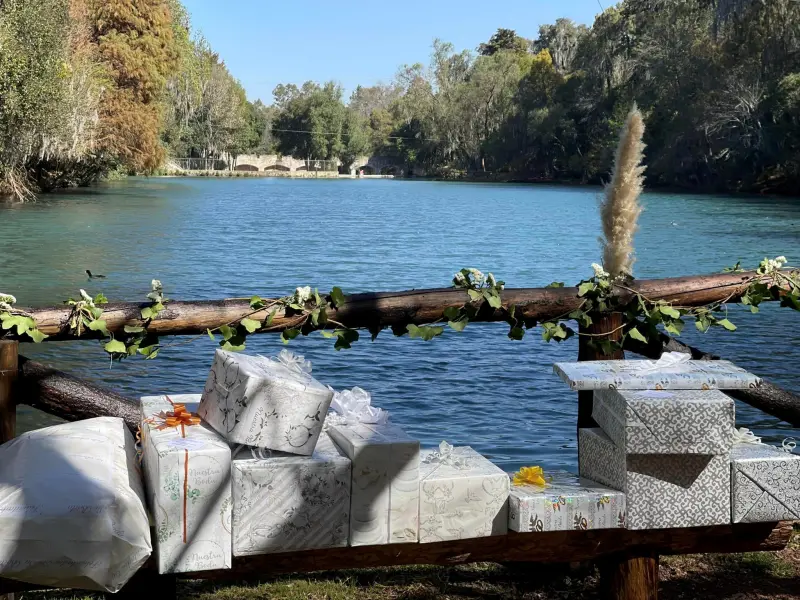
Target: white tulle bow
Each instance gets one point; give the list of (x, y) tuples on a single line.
[(355, 406), (669, 360), (447, 456), (744, 436), (293, 362)]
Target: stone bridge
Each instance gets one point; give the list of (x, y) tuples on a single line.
[(371, 165)]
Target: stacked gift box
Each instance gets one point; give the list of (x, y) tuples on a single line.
[(666, 438)]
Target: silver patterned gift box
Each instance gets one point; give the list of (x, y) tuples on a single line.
[(187, 470), (265, 403), (384, 495), (462, 495), (765, 484), (661, 490), (568, 502), (666, 422), (655, 375), (286, 502)]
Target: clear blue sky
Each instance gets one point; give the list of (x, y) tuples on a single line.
[(267, 42)]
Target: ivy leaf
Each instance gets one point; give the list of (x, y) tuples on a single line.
[(149, 351), (451, 313), (637, 335), (256, 303), (426, 332), (98, 325), (494, 300), (36, 335), (727, 324), (100, 299), (250, 325), (337, 297), (474, 295), (322, 318), (227, 332), (344, 338), (211, 335), (115, 347), (270, 317), (315, 317), (670, 312), (555, 284), (147, 312), (516, 333), (458, 325), (702, 325), (585, 288), (230, 347), (133, 329), (327, 334), (289, 334)]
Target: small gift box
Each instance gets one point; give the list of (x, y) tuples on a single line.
[(462, 495), (566, 502), (674, 370), (765, 483), (187, 469), (266, 403), (284, 502), (666, 422), (661, 490), (384, 495)]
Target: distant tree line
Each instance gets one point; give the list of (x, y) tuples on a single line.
[(92, 87)]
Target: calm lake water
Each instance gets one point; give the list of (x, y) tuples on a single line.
[(210, 239)]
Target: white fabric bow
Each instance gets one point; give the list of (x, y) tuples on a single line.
[(669, 360), (788, 445), (294, 362), (744, 436), (447, 456), (355, 406)]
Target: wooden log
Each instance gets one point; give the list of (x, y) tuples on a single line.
[(386, 309), (604, 326), (9, 350), (768, 398), (70, 398)]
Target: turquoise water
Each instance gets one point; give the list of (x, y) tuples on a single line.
[(235, 237)]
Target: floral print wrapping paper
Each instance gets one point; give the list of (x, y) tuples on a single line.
[(765, 484), (661, 490), (188, 477), (286, 502), (568, 502), (461, 496), (384, 495), (647, 375), (260, 402), (666, 422)]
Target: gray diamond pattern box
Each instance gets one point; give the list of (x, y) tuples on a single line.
[(765, 484)]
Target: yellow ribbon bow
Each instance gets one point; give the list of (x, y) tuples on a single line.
[(530, 476)]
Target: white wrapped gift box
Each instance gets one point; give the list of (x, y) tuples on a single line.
[(188, 474), (664, 374), (462, 495), (568, 502), (384, 495), (264, 403), (661, 490), (284, 502), (765, 484), (666, 421), (72, 507)]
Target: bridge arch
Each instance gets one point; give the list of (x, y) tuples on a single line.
[(277, 167), (245, 167)]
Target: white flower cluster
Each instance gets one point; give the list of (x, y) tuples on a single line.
[(771, 265), (302, 294), (599, 271), (6, 300), (475, 278), (155, 285)]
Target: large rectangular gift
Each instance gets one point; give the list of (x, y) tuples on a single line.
[(661, 490), (284, 502), (187, 467), (462, 495), (72, 506), (266, 403), (384, 495), (567, 502), (765, 484), (669, 372), (666, 422)]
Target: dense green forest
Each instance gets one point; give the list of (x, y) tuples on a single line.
[(92, 87)]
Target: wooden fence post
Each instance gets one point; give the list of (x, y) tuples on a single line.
[(605, 326), (629, 577), (9, 365)]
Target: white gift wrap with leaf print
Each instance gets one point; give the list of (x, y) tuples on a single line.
[(188, 476), (650, 375), (661, 490), (286, 502), (263, 403), (72, 506), (765, 484), (384, 495), (666, 422), (463, 496), (568, 502)]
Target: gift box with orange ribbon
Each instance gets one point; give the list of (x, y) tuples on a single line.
[(187, 468), (561, 501)]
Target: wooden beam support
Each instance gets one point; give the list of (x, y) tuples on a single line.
[(604, 326), (9, 356), (630, 577), (386, 309)]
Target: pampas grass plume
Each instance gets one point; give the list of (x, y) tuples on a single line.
[(620, 208)]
